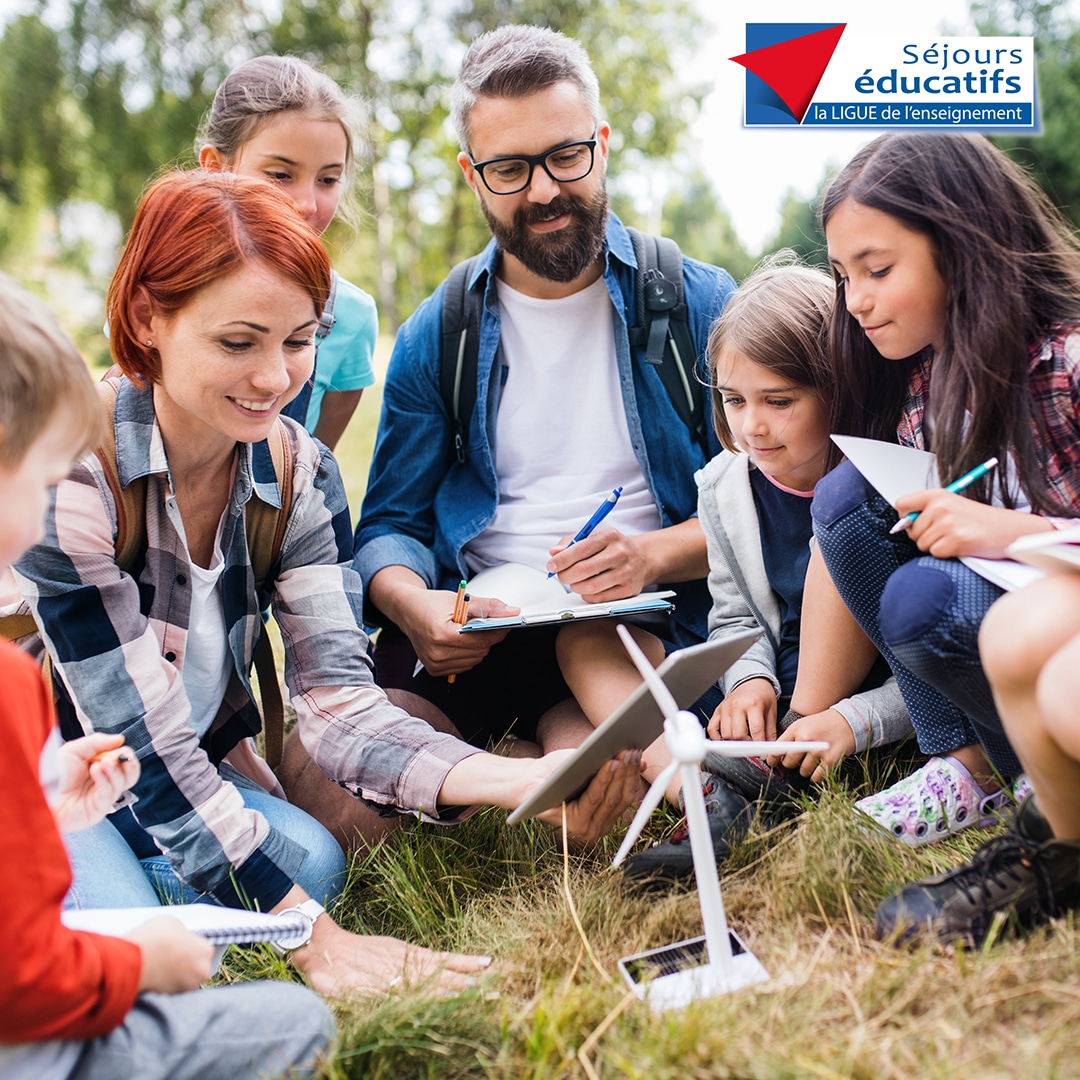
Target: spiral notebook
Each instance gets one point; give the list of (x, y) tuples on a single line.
[(219, 925)]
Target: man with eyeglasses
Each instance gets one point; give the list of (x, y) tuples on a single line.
[(566, 410)]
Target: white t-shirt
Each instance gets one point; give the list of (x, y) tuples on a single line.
[(561, 440)]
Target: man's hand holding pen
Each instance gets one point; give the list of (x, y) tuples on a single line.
[(607, 565), (600, 563)]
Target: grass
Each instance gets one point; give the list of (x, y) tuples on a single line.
[(802, 896)]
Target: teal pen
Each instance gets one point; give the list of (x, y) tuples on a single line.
[(955, 487)]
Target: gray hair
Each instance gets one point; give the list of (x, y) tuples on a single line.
[(267, 85), (514, 61)]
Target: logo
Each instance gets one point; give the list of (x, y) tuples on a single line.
[(784, 64), (824, 75)]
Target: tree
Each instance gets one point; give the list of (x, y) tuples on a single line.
[(145, 74), (1052, 158), (799, 227), (131, 81), (37, 131), (695, 219)]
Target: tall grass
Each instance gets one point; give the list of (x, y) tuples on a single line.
[(802, 895)]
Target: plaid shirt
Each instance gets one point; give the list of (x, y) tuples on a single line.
[(117, 642), (1054, 383)]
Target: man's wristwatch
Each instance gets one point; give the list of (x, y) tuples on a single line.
[(309, 911)]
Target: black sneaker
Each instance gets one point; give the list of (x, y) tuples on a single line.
[(728, 814), (1024, 872), (776, 788)]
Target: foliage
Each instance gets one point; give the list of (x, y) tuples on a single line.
[(800, 229), (696, 220), (1052, 158), (101, 94)]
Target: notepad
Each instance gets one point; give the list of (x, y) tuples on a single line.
[(544, 601), (1053, 552), (219, 925)]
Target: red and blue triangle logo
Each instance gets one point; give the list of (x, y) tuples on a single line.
[(784, 64)]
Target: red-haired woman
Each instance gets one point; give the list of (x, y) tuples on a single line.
[(212, 313)]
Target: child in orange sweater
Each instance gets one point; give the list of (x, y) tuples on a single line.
[(75, 1005)]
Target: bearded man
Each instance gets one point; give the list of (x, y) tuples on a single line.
[(566, 410)]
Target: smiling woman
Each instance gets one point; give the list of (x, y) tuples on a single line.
[(212, 311)]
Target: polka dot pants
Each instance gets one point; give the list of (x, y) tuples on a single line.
[(922, 613)]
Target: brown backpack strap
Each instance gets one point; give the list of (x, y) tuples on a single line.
[(130, 501), (17, 625), (266, 526)]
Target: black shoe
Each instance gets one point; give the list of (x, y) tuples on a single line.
[(1024, 872), (777, 788), (728, 814)]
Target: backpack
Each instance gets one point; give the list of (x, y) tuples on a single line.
[(661, 324), (265, 527), (297, 409)]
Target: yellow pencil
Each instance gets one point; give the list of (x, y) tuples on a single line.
[(461, 607)]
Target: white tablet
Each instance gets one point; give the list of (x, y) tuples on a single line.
[(637, 722)]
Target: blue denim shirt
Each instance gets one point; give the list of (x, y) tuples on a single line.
[(422, 507)]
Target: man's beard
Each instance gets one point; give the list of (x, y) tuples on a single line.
[(564, 254)]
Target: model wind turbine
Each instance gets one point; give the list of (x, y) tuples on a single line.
[(684, 973)]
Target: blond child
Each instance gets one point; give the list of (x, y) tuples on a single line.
[(770, 382)]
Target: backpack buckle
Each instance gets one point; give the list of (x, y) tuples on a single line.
[(660, 294)]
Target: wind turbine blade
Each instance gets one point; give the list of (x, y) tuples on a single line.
[(748, 748), (648, 805), (657, 687)]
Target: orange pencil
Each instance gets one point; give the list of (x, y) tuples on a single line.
[(122, 755), (461, 608)]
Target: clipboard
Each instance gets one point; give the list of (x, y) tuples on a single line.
[(544, 601), (637, 722), (646, 603)]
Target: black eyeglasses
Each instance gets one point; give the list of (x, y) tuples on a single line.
[(564, 164)]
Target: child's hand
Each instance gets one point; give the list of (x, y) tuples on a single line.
[(95, 771), (828, 726), (174, 960), (748, 712), (951, 526)]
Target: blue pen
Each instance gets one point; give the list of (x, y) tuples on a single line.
[(602, 512), (955, 487)]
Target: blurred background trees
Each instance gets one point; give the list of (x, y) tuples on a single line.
[(96, 96)]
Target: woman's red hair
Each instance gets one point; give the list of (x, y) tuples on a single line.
[(192, 228)]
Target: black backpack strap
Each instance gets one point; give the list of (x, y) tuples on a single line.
[(663, 323), (460, 356)]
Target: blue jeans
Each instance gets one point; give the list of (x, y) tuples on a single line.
[(114, 867), (922, 613)]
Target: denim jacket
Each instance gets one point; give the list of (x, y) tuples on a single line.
[(422, 507)]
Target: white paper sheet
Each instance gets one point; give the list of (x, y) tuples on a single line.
[(895, 470)]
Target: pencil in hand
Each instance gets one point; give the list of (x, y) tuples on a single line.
[(461, 613), (120, 754)]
